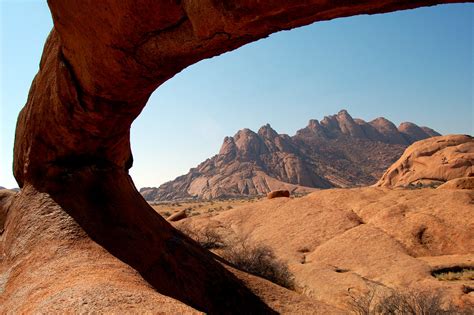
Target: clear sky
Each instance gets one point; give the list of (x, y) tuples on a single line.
[(412, 65)]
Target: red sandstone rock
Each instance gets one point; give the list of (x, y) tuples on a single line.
[(100, 64), (432, 162), (278, 194), (177, 216)]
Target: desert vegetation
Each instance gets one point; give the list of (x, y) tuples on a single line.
[(244, 254), (259, 260), (397, 302), (454, 273), (208, 238)]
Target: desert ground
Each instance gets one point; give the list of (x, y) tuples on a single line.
[(340, 241), (200, 207)]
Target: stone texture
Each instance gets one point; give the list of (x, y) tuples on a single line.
[(50, 265), (459, 183), (432, 161)]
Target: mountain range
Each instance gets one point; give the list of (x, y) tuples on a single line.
[(337, 151)]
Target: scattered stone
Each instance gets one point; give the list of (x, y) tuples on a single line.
[(278, 194), (177, 216)]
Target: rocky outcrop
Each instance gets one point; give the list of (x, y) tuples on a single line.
[(459, 183), (349, 240), (177, 216), (100, 64), (50, 265), (432, 162), (339, 151), (278, 194)]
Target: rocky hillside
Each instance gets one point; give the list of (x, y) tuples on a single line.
[(338, 151)]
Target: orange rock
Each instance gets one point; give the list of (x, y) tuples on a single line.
[(336, 239), (459, 183), (177, 216), (278, 194), (432, 161)]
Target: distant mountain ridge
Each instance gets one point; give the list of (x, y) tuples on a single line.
[(338, 151)]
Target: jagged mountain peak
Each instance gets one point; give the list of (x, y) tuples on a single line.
[(338, 151), (266, 131), (228, 146)]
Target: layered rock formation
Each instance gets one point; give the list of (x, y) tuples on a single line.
[(339, 151), (432, 162), (100, 64)]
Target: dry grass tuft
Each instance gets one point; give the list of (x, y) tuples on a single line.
[(408, 302), (454, 274)]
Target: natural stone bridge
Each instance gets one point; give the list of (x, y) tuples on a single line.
[(100, 64)]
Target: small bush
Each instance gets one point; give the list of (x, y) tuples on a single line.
[(207, 237), (259, 260), (401, 303)]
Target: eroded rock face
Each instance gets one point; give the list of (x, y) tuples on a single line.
[(100, 64), (432, 161), (459, 183), (50, 265)]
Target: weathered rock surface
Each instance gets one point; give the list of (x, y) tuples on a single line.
[(337, 152), (340, 239), (100, 64), (50, 265), (459, 183), (432, 161)]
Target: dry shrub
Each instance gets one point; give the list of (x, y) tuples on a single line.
[(206, 237), (253, 258), (258, 260), (402, 303), (362, 304)]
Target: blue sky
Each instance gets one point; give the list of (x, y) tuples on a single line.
[(412, 65)]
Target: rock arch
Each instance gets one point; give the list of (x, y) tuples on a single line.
[(100, 64)]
